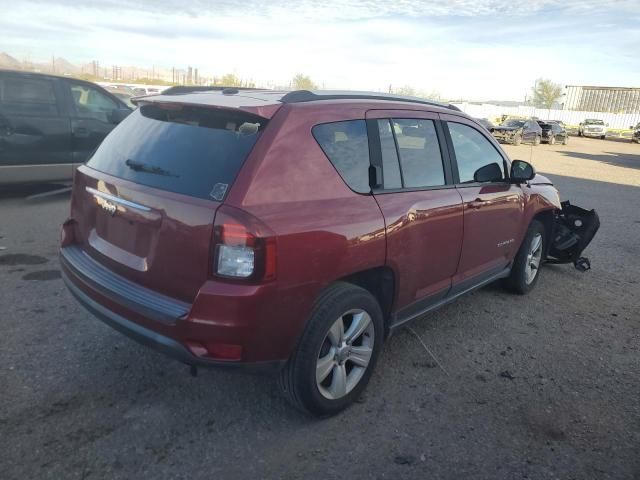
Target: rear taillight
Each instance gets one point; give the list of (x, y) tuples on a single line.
[(243, 247)]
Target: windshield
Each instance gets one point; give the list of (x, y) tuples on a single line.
[(513, 123), (188, 150), (591, 121)]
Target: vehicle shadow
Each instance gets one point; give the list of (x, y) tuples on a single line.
[(612, 158)]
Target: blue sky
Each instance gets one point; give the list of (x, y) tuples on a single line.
[(482, 49)]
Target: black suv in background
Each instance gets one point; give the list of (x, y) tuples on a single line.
[(50, 124), (553, 132)]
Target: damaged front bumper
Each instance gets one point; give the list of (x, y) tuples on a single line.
[(574, 229)]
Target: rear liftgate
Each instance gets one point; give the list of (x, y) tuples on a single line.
[(575, 227)]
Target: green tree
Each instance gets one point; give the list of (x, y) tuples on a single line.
[(407, 91), (545, 93), (303, 82), (229, 80)]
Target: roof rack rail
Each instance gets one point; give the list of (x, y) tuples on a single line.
[(183, 89), (299, 96)]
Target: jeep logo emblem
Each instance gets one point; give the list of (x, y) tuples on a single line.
[(107, 206)]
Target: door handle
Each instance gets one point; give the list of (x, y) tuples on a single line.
[(81, 132), (478, 203)]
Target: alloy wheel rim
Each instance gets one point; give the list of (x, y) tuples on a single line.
[(534, 258), (345, 354)]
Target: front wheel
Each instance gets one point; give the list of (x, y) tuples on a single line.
[(518, 139), (536, 141), (552, 140), (528, 262), (337, 352), (602, 137), (565, 140)]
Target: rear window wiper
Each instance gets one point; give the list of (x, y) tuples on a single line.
[(145, 168)]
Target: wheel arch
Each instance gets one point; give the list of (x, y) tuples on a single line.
[(380, 282), (547, 218)]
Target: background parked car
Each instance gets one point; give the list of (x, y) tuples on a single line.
[(120, 88), (635, 136), (553, 132), (50, 124), (485, 123), (592, 127), (516, 131), (124, 95)]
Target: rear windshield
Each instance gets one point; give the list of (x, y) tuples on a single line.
[(182, 149)]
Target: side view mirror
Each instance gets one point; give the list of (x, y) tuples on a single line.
[(522, 171), (118, 114), (488, 173)]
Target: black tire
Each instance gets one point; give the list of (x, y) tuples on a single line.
[(579, 133), (298, 378), (602, 137), (536, 141), (518, 139), (552, 140), (517, 280)]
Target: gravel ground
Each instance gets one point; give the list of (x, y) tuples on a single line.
[(543, 386)]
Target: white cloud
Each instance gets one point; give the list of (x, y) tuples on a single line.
[(473, 49)]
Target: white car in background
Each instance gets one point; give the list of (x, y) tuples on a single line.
[(592, 127)]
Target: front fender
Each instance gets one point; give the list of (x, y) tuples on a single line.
[(543, 187)]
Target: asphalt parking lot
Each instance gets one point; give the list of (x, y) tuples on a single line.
[(543, 386)]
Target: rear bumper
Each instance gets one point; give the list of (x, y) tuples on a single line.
[(150, 318)]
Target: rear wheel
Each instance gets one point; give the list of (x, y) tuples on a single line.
[(337, 352), (536, 141), (526, 266), (552, 140)]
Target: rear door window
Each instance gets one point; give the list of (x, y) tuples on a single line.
[(28, 96), (188, 150), (346, 145), (419, 151)]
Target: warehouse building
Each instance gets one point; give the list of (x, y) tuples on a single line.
[(602, 99)]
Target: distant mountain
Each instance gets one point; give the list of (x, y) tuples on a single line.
[(63, 66), (7, 61)]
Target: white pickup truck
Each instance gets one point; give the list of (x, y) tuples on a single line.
[(592, 127)]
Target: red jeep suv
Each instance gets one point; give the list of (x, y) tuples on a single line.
[(294, 231)]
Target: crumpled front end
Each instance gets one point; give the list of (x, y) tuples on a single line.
[(504, 134), (574, 229)]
